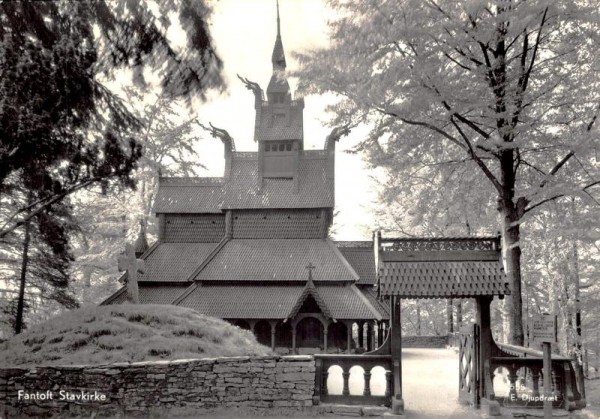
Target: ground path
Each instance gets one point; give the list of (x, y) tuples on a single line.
[(430, 384)]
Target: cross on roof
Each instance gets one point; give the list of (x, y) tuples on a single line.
[(128, 262), (310, 268)]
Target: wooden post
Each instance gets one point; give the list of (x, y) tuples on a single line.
[(293, 338), (367, 390), (485, 344), (348, 337), (396, 344), (450, 316), (346, 377), (547, 381), (325, 338), (360, 334), (273, 329), (318, 381)]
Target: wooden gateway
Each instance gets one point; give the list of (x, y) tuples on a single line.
[(460, 268)]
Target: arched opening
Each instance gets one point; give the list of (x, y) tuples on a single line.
[(356, 381), (262, 331), (378, 382), (337, 336), (242, 324), (335, 380), (283, 335), (309, 332)]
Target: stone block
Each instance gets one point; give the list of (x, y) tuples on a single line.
[(346, 410), (374, 410)]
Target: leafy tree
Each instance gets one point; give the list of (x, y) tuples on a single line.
[(109, 221), (61, 129), (508, 88)]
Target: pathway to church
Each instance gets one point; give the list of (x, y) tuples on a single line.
[(430, 384)]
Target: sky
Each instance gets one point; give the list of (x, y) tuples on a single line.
[(244, 34)]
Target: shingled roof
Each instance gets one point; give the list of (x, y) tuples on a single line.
[(430, 268), (241, 190), (277, 260), (243, 301), (291, 127), (150, 294), (174, 262), (189, 195), (361, 256), (315, 189), (276, 301)]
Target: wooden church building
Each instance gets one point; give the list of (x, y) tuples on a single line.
[(252, 247)]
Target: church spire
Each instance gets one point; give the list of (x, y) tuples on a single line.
[(278, 57), (278, 89)]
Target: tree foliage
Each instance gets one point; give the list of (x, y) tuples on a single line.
[(509, 89), (61, 129)]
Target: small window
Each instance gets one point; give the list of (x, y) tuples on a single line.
[(267, 147), (288, 147), (281, 147)]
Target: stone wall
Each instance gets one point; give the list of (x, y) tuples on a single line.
[(146, 388), (424, 341)]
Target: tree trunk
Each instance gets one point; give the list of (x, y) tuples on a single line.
[(511, 250), (579, 371), (24, 263)]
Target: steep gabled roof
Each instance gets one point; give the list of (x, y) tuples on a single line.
[(277, 260), (189, 195), (174, 262), (242, 189), (309, 290)]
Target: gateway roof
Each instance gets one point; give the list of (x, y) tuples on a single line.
[(441, 268)]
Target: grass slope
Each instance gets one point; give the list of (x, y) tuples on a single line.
[(127, 333)]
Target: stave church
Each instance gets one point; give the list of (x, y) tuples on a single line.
[(252, 247)]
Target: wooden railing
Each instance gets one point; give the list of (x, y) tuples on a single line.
[(520, 371), (325, 368)]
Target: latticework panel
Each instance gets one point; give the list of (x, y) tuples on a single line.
[(440, 244), (187, 228), (280, 224)]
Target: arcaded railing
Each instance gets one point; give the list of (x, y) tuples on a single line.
[(517, 374), (353, 379)]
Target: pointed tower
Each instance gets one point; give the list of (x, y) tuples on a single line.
[(280, 131)]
